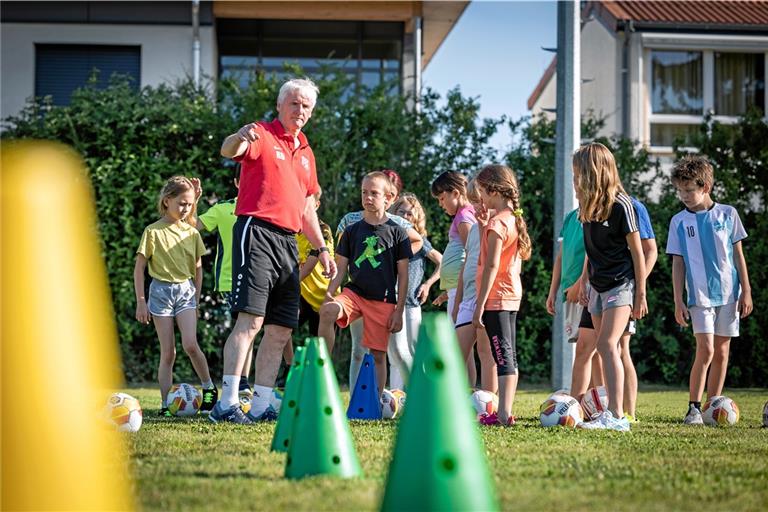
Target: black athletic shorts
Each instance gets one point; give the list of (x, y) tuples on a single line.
[(586, 320), (265, 272)]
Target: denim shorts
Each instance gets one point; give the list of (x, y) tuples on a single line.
[(621, 295), (170, 299)]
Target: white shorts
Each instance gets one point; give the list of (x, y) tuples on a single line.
[(720, 320), (466, 311), (572, 311)]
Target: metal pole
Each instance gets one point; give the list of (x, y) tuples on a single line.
[(196, 42), (568, 137), (417, 62)]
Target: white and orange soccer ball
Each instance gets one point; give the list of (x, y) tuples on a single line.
[(485, 402), (184, 400), (390, 404), (400, 395), (560, 410), (595, 402), (124, 412), (720, 411)]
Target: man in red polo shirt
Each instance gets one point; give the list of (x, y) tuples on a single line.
[(275, 201)]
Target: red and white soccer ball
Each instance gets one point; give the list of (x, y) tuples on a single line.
[(720, 411), (390, 404), (184, 400), (124, 412), (560, 410), (595, 402), (485, 402)]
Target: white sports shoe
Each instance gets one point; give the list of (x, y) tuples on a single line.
[(693, 417), (606, 421)]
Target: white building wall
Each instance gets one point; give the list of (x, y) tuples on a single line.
[(601, 63), (547, 99), (166, 53)]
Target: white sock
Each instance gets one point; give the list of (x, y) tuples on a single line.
[(208, 384), (260, 400), (229, 389)]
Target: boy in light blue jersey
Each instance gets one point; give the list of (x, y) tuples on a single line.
[(705, 244)]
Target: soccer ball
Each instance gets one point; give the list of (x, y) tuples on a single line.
[(276, 400), (765, 415), (560, 410), (245, 396), (595, 401), (485, 402), (184, 400), (400, 394), (720, 410), (390, 404), (124, 412)]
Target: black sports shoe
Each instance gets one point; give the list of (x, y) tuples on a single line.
[(210, 397), (164, 413), (232, 415)]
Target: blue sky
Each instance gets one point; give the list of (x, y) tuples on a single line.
[(494, 53)]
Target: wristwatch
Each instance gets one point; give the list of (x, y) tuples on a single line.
[(324, 249)]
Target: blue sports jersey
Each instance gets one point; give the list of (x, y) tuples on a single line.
[(705, 241), (643, 220)]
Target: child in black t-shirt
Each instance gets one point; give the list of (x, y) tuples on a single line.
[(375, 251)]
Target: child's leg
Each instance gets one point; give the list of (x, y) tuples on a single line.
[(500, 326), (466, 337), (489, 381), (187, 321), (380, 361), (704, 352), (610, 326), (412, 324), (358, 351), (400, 359), (630, 376), (472, 368), (329, 313), (582, 362), (598, 376), (719, 366), (164, 328)]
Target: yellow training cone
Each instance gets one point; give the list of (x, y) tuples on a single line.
[(58, 338)]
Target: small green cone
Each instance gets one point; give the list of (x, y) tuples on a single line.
[(290, 401), (438, 462), (321, 442)]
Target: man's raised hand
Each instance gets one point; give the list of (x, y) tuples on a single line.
[(248, 133)]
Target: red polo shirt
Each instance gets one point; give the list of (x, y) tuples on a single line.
[(276, 177)]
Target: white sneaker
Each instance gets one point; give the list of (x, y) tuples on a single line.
[(693, 417), (606, 421)]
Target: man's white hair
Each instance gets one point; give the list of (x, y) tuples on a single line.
[(304, 85)]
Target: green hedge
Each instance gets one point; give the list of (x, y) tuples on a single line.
[(132, 141)]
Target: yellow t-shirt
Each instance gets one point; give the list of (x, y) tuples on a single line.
[(314, 286), (172, 250)]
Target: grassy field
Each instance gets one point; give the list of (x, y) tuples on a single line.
[(661, 465)]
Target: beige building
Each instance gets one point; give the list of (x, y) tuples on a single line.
[(51, 48), (653, 70)]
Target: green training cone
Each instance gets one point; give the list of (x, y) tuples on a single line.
[(438, 462), (290, 401), (321, 442)]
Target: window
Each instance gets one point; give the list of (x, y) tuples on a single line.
[(370, 52), (684, 85), (60, 69)]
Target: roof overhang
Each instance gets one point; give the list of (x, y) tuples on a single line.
[(438, 17)]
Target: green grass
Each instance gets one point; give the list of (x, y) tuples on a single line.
[(661, 465)]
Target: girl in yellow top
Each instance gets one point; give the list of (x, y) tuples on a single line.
[(172, 248)]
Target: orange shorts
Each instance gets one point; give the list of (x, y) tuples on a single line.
[(375, 315)]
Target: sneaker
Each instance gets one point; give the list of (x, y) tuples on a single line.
[(606, 421), (693, 417), (269, 415), (210, 397), (164, 413), (493, 419), (631, 418), (230, 415)]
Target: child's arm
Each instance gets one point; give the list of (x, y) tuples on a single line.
[(416, 242), (650, 254), (459, 294), (436, 258), (490, 270), (638, 262), (584, 282), (745, 300), (311, 229), (395, 323), (306, 268), (198, 281), (341, 272), (678, 279), (555, 283), (142, 313), (463, 229)]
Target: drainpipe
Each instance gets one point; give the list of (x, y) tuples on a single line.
[(417, 61), (196, 42)]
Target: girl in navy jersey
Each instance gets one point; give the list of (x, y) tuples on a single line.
[(616, 267)]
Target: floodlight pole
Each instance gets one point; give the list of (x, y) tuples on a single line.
[(568, 138)]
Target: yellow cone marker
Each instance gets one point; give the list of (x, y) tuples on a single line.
[(58, 336)]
